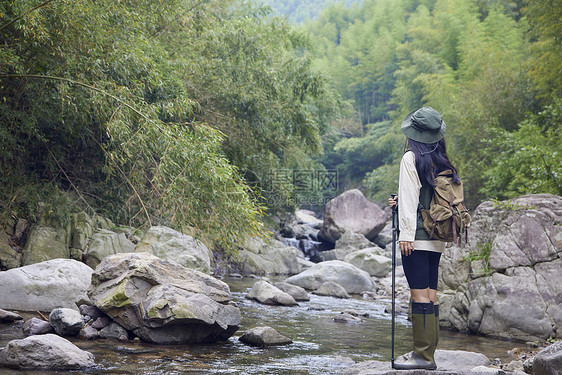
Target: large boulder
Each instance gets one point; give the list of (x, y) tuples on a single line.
[(265, 293), (167, 243), (345, 245), (45, 286), (45, 243), (501, 283), (547, 362), (351, 278), (371, 261), (45, 352), (272, 257), (352, 211), (105, 242), (163, 302)]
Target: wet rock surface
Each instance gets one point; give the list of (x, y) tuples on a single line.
[(268, 294), (45, 286), (451, 362), (352, 279), (45, 351), (163, 302), (264, 336)]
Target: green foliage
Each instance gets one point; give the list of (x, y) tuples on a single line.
[(546, 61), (468, 59), (529, 159), (483, 253), (381, 182), (360, 155), (511, 206), (299, 11), (156, 112)]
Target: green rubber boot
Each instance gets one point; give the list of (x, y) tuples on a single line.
[(423, 329), (436, 310)]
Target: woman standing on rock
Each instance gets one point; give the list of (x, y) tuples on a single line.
[(424, 159)]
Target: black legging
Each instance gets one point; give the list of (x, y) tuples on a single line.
[(421, 268)]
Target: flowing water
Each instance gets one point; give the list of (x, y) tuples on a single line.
[(320, 345)]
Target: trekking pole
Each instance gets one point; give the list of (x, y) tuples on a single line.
[(393, 196)]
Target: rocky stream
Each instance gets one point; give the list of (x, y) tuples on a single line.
[(320, 344)]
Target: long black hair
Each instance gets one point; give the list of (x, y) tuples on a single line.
[(432, 159)]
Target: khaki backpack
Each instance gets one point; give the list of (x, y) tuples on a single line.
[(447, 217)]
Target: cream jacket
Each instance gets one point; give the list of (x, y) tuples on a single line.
[(409, 186)]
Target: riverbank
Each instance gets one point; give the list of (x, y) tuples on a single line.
[(320, 345)]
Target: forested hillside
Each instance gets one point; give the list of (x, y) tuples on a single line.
[(492, 68), (299, 11), (174, 113), (208, 114)]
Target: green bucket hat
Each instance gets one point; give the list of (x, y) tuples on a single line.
[(424, 125)]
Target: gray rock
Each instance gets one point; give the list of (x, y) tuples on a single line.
[(105, 243), (514, 366), (298, 293), (81, 230), (384, 237), (265, 293), (449, 362), (511, 294), (163, 302), (486, 370), (301, 225), (45, 286), (259, 257), (307, 217), (46, 352), (371, 261), (331, 289), (36, 326), (90, 310), (45, 243), (264, 336), (103, 222), (114, 332), (348, 243), (66, 322), (76, 254), (170, 244), (88, 333), (101, 322), (347, 318), (8, 316), (498, 307), (351, 278), (549, 360), (352, 211), (9, 258)]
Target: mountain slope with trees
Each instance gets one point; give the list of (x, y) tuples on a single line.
[(489, 67), (170, 113)]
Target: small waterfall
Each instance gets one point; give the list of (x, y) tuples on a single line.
[(302, 232), (308, 246)]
